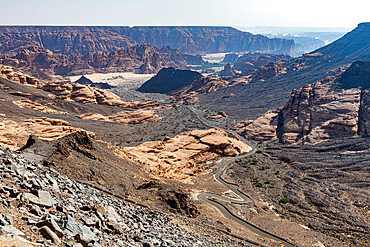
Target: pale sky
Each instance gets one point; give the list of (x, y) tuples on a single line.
[(312, 13)]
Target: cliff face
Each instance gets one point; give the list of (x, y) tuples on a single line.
[(316, 113), (65, 40), (191, 40), (144, 59), (334, 107), (198, 40)]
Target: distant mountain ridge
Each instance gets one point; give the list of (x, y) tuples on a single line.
[(192, 40)]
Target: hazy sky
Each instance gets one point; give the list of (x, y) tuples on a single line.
[(315, 13)]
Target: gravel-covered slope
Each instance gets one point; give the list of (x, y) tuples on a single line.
[(40, 207)]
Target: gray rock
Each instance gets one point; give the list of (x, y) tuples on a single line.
[(43, 201), (3, 222), (8, 229), (112, 215), (70, 226), (86, 236), (19, 169), (92, 221), (45, 198), (49, 234), (51, 224)]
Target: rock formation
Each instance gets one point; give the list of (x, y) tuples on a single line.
[(178, 157), (219, 115), (86, 81), (181, 82), (14, 134), (89, 95), (263, 128), (229, 71), (242, 125), (37, 107), (143, 59), (251, 61), (126, 117), (324, 110), (230, 58), (267, 71), (10, 73)]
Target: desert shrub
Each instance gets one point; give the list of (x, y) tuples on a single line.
[(284, 200)]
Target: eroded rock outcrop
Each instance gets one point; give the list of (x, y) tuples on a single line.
[(324, 110), (143, 59), (37, 107), (178, 157), (14, 134), (229, 71), (267, 71), (10, 73), (126, 117), (263, 128), (251, 61), (89, 95)]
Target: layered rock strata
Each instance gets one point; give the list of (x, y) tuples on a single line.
[(14, 135), (324, 110), (125, 117)]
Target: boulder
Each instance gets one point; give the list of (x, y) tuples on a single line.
[(49, 234)]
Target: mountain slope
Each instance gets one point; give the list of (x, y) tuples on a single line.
[(252, 100), (181, 82)]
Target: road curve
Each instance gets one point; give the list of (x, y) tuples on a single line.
[(242, 197)]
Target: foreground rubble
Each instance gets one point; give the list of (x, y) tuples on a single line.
[(40, 207)]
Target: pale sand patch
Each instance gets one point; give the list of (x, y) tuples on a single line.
[(214, 57)]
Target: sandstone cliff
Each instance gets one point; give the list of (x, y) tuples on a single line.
[(334, 107), (143, 59), (192, 40)]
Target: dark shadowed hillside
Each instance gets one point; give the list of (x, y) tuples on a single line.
[(169, 79)]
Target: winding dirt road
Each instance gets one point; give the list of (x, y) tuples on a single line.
[(242, 198)]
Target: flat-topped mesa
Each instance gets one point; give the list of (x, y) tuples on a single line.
[(191, 40), (179, 157), (140, 58)]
